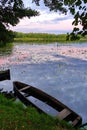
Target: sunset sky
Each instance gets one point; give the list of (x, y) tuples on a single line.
[(47, 22)]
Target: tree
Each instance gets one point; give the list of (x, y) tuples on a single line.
[(11, 11), (78, 8)]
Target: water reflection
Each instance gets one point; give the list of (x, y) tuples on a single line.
[(61, 72), (6, 49)]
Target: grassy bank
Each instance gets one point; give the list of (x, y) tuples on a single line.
[(14, 116), (39, 37), (6, 48), (43, 37)]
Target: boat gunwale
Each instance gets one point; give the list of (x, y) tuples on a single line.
[(40, 95)]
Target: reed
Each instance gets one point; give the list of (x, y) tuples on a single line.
[(44, 38), (39, 37)]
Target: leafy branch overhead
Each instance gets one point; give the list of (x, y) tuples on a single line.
[(78, 8), (11, 11)]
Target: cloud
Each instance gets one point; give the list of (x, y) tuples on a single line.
[(56, 27), (47, 21)]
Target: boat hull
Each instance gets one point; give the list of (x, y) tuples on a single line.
[(22, 91)]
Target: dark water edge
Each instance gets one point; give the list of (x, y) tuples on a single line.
[(66, 80)]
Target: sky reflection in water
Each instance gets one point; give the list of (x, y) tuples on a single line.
[(61, 71)]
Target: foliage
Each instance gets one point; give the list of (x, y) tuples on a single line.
[(78, 8), (6, 49), (5, 35), (11, 11), (14, 116), (48, 38), (72, 37), (39, 37)]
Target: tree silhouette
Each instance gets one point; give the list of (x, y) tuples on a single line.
[(78, 8), (11, 11)]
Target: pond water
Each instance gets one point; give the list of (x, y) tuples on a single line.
[(59, 70)]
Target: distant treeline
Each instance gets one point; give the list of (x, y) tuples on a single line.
[(42, 37), (39, 37)]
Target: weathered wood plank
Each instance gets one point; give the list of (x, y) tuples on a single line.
[(22, 89), (64, 113), (77, 121)]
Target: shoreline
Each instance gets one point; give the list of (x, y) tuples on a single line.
[(45, 66)]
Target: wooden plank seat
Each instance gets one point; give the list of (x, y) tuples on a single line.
[(64, 113), (22, 89), (76, 121)]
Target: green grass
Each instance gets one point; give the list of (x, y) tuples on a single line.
[(84, 39), (44, 38), (14, 116), (6, 48), (39, 37)]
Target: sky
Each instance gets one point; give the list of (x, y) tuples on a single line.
[(46, 22)]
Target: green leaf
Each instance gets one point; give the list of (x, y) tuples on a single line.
[(72, 10), (75, 29), (78, 3)]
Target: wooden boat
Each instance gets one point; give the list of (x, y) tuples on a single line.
[(5, 75), (24, 91)]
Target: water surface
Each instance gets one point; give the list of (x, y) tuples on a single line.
[(59, 70)]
